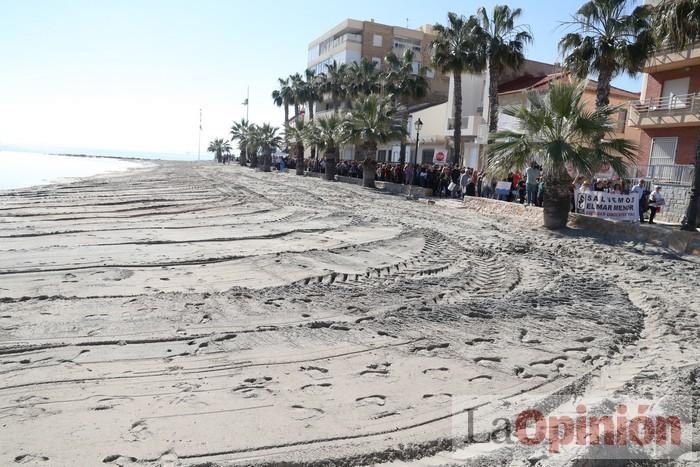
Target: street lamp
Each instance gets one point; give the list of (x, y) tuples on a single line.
[(417, 125)]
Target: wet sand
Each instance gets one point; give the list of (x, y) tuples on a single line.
[(193, 314)]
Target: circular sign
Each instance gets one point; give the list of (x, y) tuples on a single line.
[(440, 156)]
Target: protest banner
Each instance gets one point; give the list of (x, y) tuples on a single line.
[(608, 205)]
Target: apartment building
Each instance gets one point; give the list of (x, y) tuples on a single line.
[(668, 114), (352, 40)]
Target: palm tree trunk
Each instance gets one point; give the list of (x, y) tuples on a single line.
[(369, 165), (457, 115), (267, 161), (493, 98), (329, 155), (286, 122), (311, 118), (243, 157), (300, 158), (402, 151), (690, 221), (557, 202), (603, 88)]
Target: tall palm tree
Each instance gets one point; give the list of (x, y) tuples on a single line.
[(405, 85), (267, 140), (328, 134), (333, 80), (459, 48), (561, 133), (219, 147), (312, 95), (284, 97), (361, 78), (372, 121), (677, 22), (240, 131), (297, 134), (298, 93), (610, 40), (505, 47)]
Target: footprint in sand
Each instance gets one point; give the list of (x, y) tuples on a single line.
[(375, 399), (299, 412), (316, 388), (139, 431), (30, 459), (378, 369)]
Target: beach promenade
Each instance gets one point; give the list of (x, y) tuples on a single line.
[(193, 314)]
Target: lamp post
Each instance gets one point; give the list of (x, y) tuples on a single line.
[(417, 125)]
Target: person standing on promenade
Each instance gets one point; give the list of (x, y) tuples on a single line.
[(639, 189), (656, 200), (532, 173)]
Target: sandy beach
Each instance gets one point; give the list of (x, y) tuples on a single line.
[(192, 314)]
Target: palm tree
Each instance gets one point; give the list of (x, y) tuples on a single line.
[(372, 121), (284, 97), (559, 131), (361, 79), (267, 140), (404, 85), (328, 134), (505, 46), (609, 41), (219, 147), (297, 134), (459, 48), (240, 131), (252, 145), (298, 93), (333, 80), (312, 95), (677, 22)]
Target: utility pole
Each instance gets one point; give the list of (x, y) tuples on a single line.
[(199, 139)]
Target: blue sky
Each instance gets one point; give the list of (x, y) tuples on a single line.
[(132, 75)]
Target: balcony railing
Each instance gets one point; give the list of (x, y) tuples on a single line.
[(666, 111), (661, 173), (668, 58)]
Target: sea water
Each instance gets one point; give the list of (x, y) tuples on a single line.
[(23, 169)]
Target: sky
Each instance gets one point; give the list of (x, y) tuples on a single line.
[(132, 74)]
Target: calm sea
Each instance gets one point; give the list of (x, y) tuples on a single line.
[(23, 169)]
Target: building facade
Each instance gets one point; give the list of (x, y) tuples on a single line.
[(352, 40)]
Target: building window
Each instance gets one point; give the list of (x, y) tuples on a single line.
[(663, 151), (429, 73), (377, 40), (427, 156), (381, 155)]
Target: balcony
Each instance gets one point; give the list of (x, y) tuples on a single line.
[(666, 112), (470, 125), (666, 58), (671, 174)]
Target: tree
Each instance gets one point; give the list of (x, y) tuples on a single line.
[(361, 79), (252, 145), (608, 41), (298, 93), (560, 133), (267, 140), (372, 121), (219, 147), (505, 46), (328, 134), (284, 97), (312, 95), (296, 134), (240, 131), (333, 83), (405, 85), (459, 48), (677, 22)]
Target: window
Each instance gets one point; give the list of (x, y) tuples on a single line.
[(381, 155), (415, 67), (429, 73), (663, 151), (427, 156), (378, 62), (377, 40)]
